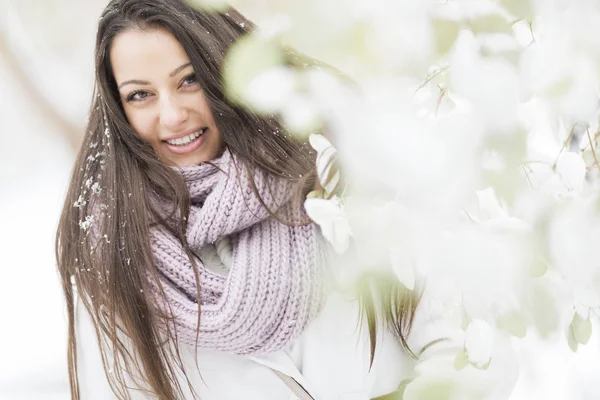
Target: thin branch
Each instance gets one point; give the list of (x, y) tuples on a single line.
[(469, 216), (432, 76), (527, 171), (592, 147), (440, 98), (516, 21), (530, 22), (563, 146)]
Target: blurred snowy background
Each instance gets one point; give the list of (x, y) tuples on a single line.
[(458, 97), (46, 60)]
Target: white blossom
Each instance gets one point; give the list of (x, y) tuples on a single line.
[(479, 343), (326, 161), (332, 219), (571, 168), (271, 88)]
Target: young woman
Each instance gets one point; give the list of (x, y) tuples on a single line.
[(183, 236)]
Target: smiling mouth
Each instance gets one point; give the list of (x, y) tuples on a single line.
[(186, 139)]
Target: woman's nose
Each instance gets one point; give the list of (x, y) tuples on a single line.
[(172, 113)]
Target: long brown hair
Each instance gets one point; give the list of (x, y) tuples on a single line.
[(102, 242)]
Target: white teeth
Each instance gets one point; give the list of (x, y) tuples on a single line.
[(186, 139)]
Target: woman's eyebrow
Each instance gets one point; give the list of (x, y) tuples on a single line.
[(179, 69), (172, 74), (134, 82)]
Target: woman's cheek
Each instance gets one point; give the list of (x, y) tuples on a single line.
[(141, 123)]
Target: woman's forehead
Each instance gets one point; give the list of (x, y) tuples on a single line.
[(142, 54)]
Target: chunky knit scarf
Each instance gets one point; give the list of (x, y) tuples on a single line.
[(274, 287)]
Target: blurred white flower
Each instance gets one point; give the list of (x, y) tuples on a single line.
[(586, 298), (300, 114), (573, 232), (571, 168), (581, 328), (492, 215), (403, 267), (479, 343), (489, 206), (327, 171), (270, 89), (246, 60), (332, 219), (490, 84), (453, 143), (212, 5)]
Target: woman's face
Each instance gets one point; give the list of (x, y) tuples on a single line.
[(162, 97)]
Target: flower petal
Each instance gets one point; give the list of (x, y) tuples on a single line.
[(479, 341), (332, 220), (403, 267)]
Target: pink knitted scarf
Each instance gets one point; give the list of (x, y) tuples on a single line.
[(274, 287)]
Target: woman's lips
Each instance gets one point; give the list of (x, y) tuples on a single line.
[(187, 148)]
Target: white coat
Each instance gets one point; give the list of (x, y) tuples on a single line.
[(330, 361)]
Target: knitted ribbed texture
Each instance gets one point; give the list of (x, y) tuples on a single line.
[(274, 287)]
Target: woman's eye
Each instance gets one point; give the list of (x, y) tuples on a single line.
[(190, 80), (137, 96)]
